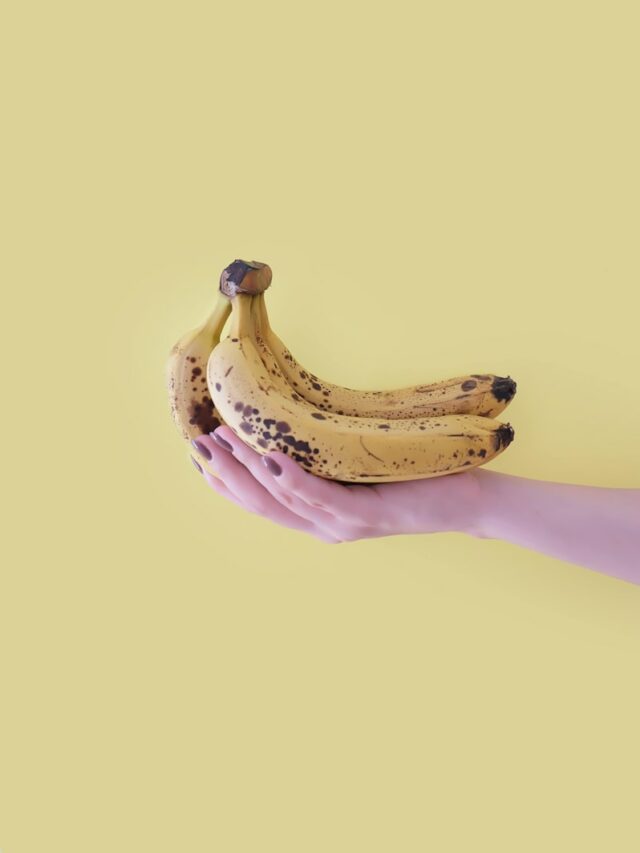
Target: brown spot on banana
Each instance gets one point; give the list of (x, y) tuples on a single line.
[(202, 414)]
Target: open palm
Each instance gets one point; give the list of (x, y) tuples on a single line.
[(328, 510)]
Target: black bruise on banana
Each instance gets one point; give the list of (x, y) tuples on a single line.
[(203, 415)]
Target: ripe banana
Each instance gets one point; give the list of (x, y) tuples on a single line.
[(264, 411), (192, 408), (475, 394)]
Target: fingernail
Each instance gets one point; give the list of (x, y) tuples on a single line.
[(221, 441), (202, 449), (272, 465), (197, 464)]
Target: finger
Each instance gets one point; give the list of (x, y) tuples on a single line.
[(333, 529), (237, 483), (235, 476), (222, 489), (279, 516), (344, 503), (253, 461)]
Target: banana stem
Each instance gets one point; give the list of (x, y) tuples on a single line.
[(218, 317), (242, 321), (262, 319)]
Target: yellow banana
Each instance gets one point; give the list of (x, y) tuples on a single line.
[(474, 394), (192, 408), (267, 413)]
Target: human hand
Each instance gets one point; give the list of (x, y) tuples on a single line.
[(334, 511)]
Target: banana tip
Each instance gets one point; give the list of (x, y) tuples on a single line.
[(504, 388), (504, 436)]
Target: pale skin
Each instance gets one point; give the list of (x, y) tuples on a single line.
[(591, 526)]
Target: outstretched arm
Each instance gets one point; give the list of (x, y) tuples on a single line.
[(594, 527), (598, 528)]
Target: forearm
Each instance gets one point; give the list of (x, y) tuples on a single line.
[(598, 528)]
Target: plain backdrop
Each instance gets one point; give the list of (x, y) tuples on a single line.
[(439, 189)]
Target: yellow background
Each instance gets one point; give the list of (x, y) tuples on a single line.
[(439, 188)]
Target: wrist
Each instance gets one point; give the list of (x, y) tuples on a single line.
[(457, 503), (463, 506), (483, 523)]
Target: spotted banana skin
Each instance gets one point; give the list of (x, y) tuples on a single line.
[(482, 394), (268, 413), (192, 409)]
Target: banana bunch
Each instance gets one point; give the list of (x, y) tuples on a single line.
[(260, 391)]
